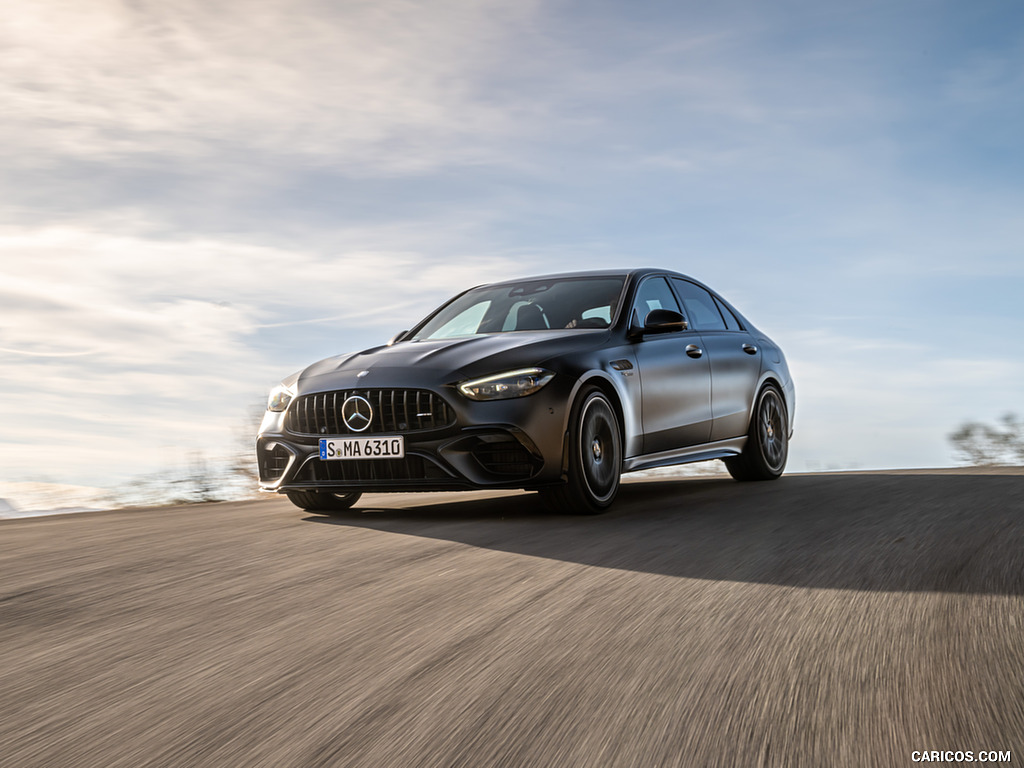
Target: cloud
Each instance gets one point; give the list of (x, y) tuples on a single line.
[(49, 354), (74, 287), (109, 341), (389, 84), (201, 197), (864, 401)]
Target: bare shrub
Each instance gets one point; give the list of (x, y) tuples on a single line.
[(981, 444)]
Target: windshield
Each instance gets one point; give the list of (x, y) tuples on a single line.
[(533, 305)]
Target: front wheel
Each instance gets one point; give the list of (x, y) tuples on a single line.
[(317, 501), (595, 458), (767, 449)]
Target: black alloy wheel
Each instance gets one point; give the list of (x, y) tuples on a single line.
[(318, 501), (595, 458), (767, 449)]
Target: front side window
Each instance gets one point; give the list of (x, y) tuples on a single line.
[(652, 294), (535, 305)]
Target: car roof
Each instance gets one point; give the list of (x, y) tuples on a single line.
[(635, 272)]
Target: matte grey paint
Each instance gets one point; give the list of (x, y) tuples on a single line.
[(675, 408)]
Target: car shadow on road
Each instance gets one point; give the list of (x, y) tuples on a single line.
[(947, 533)]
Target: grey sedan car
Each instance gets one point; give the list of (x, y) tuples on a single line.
[(557, 384)]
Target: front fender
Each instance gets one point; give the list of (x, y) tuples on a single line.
[(623, 386)]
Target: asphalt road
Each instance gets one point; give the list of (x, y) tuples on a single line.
[(821, 620)]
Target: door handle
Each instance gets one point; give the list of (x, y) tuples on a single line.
[(750, 349), (694, 351)]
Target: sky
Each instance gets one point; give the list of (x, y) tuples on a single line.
[(197, 199)]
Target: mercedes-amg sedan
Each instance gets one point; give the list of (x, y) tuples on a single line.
[(557, 384)]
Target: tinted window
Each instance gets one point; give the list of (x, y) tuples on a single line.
[(537, 305), (730, 319), (652, 294), (516, 320), (700, 307), (464, 323), (598, 315)]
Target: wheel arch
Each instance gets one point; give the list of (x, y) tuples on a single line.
[(770, 378), (607, 386)]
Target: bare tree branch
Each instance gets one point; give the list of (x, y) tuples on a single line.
[(980, 444)]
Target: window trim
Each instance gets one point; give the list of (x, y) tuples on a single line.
[(636, 292), (723, 308)]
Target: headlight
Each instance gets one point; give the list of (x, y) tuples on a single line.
[(280, 396), (503, 386)]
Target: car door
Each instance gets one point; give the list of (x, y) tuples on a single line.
[(675, 376), (734, 356)]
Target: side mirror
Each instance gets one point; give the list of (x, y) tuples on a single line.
[(397, 338), (664, 321)]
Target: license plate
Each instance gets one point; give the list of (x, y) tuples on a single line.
[(387, 447)]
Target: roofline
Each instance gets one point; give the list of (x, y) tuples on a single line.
[(636, 272)]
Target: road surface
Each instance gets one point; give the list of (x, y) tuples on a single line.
[(835, 619)]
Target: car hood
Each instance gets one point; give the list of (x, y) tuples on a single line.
[(443, 361)]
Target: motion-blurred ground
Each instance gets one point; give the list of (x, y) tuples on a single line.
[(843, 619)]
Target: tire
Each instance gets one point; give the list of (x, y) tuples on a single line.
[(767, 449), (595, 458), (328, 503)]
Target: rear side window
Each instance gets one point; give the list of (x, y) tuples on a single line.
[(730, 319), (700, 306)]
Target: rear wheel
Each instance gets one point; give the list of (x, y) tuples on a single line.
[(595, 458), (317, 501), (767, 447)]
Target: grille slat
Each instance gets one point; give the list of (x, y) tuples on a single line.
[(394, 411), (411, 468), (272, 462), (507, 458)]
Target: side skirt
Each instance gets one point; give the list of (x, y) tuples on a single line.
[(718, 450)]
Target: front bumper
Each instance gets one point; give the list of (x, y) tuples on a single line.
[(515, 443)]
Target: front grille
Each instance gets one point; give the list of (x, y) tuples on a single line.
[(394, 411), (370, 471), (508, 458), (272, 462)]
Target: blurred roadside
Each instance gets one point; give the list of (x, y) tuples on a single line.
[(35, 499), (196, 480)]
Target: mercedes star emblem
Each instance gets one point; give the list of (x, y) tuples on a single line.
[(357, 413)]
